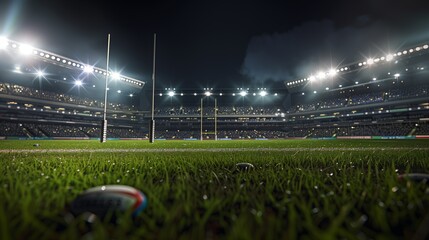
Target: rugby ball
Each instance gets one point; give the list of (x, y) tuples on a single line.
[(109, 201)]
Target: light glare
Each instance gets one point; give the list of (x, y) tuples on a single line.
[(25, 49), (3, 43), (88, 69)]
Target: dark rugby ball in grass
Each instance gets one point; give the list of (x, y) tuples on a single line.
[(109, 201), (244, 166), (415, 177)]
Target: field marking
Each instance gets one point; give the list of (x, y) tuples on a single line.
[(156, 150)]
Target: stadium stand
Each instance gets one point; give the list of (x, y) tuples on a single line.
[(369, 102)]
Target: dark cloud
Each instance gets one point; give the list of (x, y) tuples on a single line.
[(320, 45)]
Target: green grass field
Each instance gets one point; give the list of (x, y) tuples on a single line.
[(306, 189)]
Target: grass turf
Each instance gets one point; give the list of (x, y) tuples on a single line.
[(200, 195)]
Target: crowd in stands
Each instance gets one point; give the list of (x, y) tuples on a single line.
[(11, 129), (56, 130), (231, 134), (14, 89), (222, 110), (332, 100), (422, 129)]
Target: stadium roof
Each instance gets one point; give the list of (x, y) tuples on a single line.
[(17, 48)]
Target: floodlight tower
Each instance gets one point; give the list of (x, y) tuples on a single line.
[(103, 137)]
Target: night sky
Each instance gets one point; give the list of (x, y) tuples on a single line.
[(218, 44)]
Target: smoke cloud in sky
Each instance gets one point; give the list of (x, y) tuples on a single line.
[(316, 46)]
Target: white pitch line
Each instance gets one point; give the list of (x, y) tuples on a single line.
[(156, 150)]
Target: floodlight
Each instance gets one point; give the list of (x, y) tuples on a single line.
[(389, 57), (397, 75), (17, 69), (425, 46), (116, 75), (263, 93), (243, 93), (195, 94), (332, 72), (3, 43), (220, 94), (119, 91), (78, 83), (370, 61), (208, 93), (25, 49), (312, 78), (131, 95), (40, 74), (170, 93), (374, 79), (88, 69), (321, 75)]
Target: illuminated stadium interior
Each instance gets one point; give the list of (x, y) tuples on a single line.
[(46, 95)]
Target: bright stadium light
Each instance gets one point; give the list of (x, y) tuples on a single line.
[(116, 75), (243, 93), (88, 69), (171, 93), (40, 74), (131, 95), (312, 78), (321, 75), (389, 57), (370, 61), (17, 69), (208, 93), (263, 93), (119, 91), (397, 75), (78, 83), (3, 43), (332, 72), (25, 49)]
